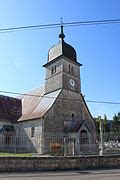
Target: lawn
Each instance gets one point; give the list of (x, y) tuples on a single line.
[(2, 154)]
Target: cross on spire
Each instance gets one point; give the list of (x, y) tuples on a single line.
[(61, 21), (61, 35)]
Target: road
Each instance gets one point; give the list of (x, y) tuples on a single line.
[(64, 175)]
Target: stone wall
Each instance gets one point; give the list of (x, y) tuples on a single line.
[(27, 142), (63, 109), (58, 163)]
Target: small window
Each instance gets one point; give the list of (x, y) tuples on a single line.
[(52, 70), (69, 68), (55, 69), (73, 117), (32, 132)]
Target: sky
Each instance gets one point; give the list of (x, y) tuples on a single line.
[(23, 53)]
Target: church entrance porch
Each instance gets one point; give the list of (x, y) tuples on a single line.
[(69, 144), (84, 140)]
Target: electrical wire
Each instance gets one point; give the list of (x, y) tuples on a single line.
[(53, 25), (56, 25), (51, 97)]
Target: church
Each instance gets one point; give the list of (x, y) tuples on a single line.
[(55, 117)]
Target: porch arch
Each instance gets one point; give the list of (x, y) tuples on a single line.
[(84, 139)]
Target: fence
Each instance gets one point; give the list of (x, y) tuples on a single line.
[(60, 144), (110, 143)]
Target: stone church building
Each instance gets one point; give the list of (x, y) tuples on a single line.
[(56, 115)]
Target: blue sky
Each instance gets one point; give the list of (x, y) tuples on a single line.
[(23, 53)]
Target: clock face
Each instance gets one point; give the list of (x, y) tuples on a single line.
[(72, 82)]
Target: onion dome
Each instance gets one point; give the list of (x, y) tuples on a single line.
[(62, 48)]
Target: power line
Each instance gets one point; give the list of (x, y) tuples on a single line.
[(93, 22), (56, 25), (51, 97), (103, 102), (25, 28)]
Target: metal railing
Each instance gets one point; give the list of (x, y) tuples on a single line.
[(60, 144)]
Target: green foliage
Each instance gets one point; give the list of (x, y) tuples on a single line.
[(98, 125), (104, 124), (2, 154), (116, 124)]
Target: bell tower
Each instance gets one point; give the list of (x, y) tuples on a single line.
[(62, 68)]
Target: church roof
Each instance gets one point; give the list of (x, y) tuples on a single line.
[(73, 126), (35, 103), (62, 48)]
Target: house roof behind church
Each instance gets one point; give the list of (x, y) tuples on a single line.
[(10, 108), (35, 103)]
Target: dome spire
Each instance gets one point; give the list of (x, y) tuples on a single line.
[(62, 48), (61, 35)]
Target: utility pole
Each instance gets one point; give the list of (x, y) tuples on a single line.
[(101, 136)]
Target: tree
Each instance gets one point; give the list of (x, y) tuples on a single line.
[(98, 125), (105, 124), (116, 124)]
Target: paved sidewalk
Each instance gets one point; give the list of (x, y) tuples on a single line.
[(113, 174)]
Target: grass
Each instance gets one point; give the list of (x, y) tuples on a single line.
[(3, 154)]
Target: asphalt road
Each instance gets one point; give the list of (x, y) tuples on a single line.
[(64, 175)]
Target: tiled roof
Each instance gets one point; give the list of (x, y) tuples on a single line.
[(10, 108), (35, 103)]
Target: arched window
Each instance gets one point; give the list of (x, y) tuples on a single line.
[(32, 132), (71, 70), (73, 117), (69, 67), (84, 139), (52, 70), (55, 69)]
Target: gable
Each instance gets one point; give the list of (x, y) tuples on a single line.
[(87, 115)]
